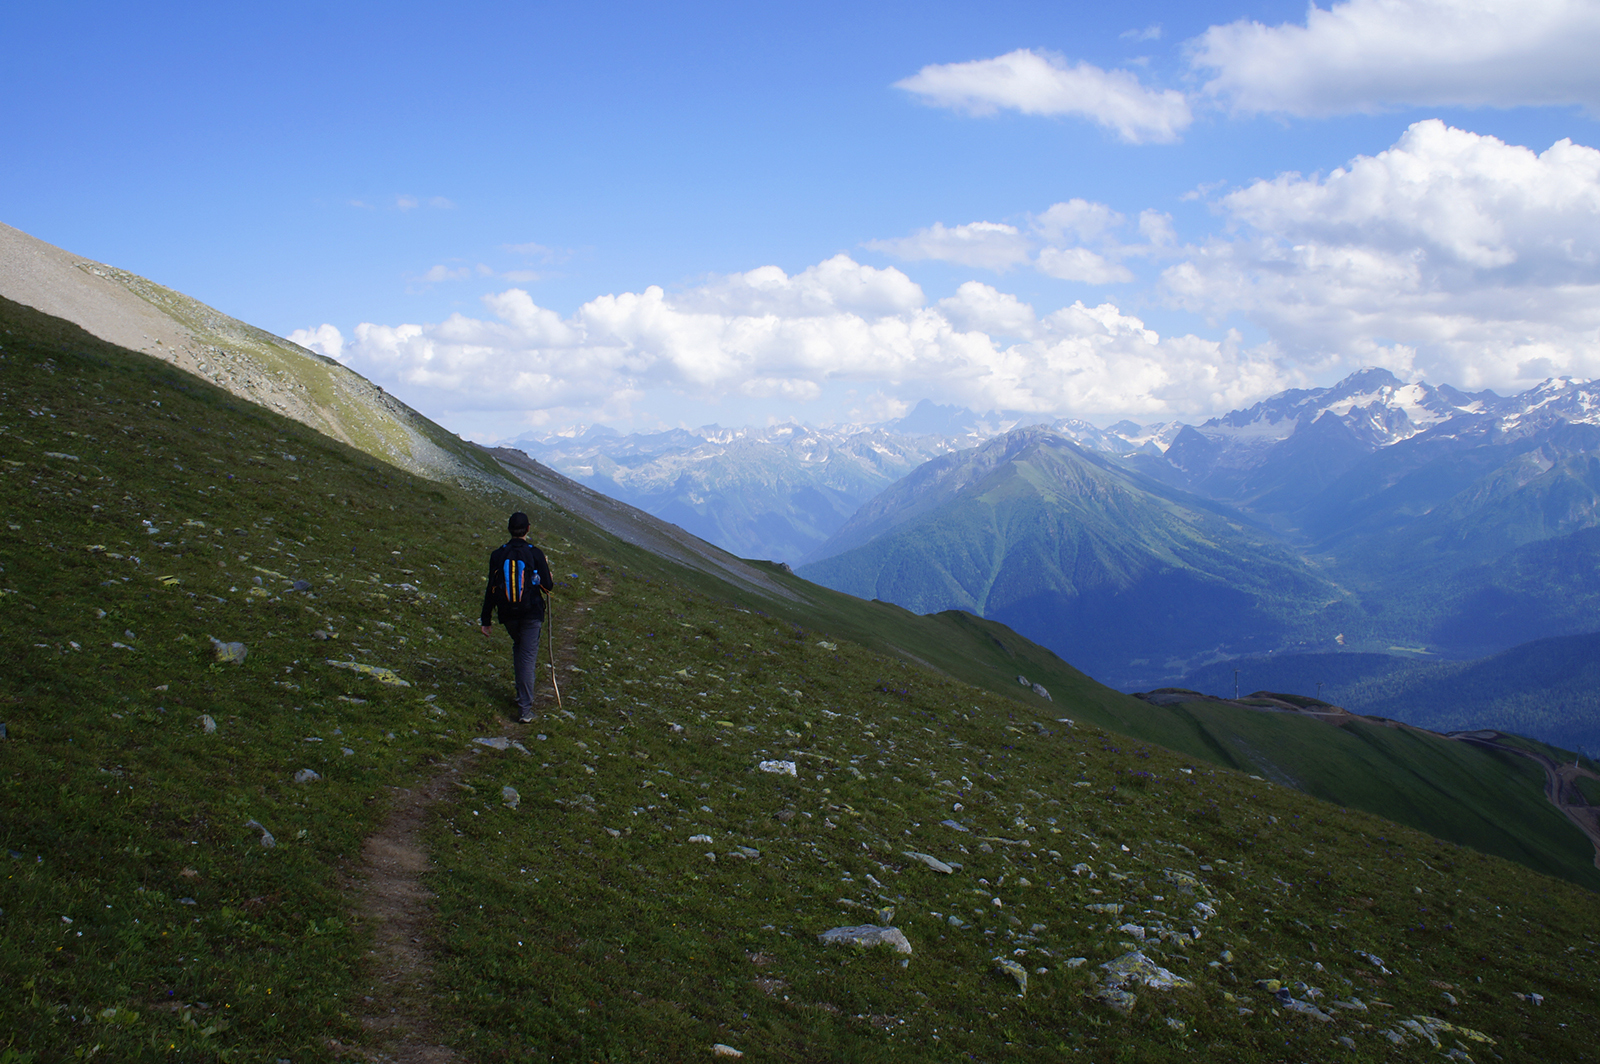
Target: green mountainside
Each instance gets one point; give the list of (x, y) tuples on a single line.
[(1123, 576), (626, 879)]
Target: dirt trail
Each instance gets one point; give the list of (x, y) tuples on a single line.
[(1560, 784), (397, 1010)]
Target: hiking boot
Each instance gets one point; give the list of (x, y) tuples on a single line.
[(526, 717)]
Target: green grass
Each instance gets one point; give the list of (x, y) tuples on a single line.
[(554, 937)]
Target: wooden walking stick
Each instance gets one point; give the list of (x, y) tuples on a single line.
[(550, 628)]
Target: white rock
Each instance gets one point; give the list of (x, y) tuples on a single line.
[(782, 768), (929, 860), (1140, 970), (1015, 971), (867, 935)]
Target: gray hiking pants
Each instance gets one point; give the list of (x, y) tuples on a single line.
[(525, 659)]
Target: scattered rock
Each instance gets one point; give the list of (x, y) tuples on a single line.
[(1116, 998), (700, 838), (307, 775), (322, 633), (785, 815), (782, 768), (495, 742), (510, 797), (1015, 971), (1105, 907), (952, 825), (377, 672), (1039, 690), (867, 935), (931, 861), (1140, 970), (1376, 962), (825, 645), (1291, 1003), (266, 836), (229, 652), (1133, 931), (748, 852), (720, 1050), (207, 724), (1077, 962), (301, 585)]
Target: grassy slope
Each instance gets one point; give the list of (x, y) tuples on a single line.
[(1448, 789), (1549, 688), (120, 809)]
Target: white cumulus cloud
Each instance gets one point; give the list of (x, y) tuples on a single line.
[(990, 245), (1371, 55), (324, 340), (1039, 83), (1054, 243), (1452, 254), (1081, 264), (766, 334)]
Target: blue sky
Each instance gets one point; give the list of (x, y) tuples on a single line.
[(521, 217)]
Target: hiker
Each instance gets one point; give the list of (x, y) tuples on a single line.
[(517, 574)]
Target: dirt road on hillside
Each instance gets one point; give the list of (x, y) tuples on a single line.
[(1560, 783)]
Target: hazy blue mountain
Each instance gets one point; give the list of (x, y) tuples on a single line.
[(772, 493), (1360, 517), (781, 492), (1465, 523), (1548, 689), (1116, 572)]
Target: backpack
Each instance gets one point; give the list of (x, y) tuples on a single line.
[(517, 583)]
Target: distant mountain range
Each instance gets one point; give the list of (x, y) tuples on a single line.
[(1372, 515), (781, 492)]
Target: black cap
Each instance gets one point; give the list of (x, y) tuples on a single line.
[(518, 525)]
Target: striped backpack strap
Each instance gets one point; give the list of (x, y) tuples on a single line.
[(514, 577)]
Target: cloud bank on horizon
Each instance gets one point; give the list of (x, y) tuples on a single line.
[(1447, 254)]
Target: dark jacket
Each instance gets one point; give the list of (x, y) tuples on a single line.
[(533, 558)]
